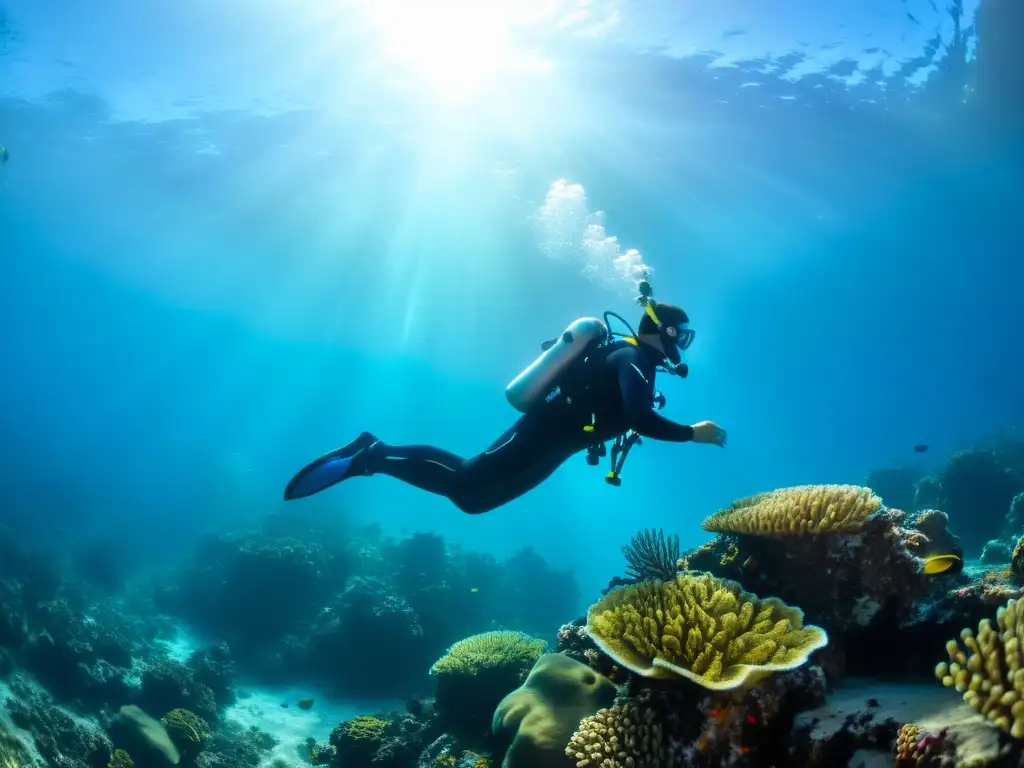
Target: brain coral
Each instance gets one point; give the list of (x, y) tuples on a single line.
[(798, 510), (703, 628)]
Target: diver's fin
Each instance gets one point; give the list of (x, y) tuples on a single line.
[(328, 470), (948, 563)]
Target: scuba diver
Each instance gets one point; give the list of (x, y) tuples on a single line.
[(588, 386)]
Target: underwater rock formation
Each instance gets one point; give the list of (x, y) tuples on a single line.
[(977, 490)]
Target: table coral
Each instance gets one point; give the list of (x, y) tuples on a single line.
[(706, 629), (797, 510)]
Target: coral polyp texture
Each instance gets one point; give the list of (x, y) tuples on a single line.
[(479, 653), (624, 736), (986, 669), (706, 629), (798, 510)]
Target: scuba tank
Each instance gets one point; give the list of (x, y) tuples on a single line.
[(538, 379)]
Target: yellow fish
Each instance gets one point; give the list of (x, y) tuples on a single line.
[(948, 563)]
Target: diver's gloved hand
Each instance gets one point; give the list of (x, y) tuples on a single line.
[(709, 432)]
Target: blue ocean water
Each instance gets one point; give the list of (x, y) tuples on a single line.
[(234, 235)]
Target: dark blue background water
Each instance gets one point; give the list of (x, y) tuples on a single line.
[(232, 237)]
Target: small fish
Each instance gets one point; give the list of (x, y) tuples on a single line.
[(474, 589), (920, 448), (947, 563), (4, 154)]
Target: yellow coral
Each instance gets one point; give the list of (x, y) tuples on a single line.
[(703, 628), (621, 737), (488, 650), (364, 728), (187, 730), (798, 510), (13, 753), (987, 669)]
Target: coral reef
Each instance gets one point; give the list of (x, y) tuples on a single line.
[(872, 596), (475, 674), (703, 628), (805, 633), (798, 510), (978, 487)]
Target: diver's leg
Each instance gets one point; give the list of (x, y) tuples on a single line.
[(425, 466), (518, 461)]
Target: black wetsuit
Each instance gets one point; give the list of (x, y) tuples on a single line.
[(613, 391)]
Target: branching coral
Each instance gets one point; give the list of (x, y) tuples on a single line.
[(621, 737), (987, 670), (651, 555), (703, 628), (120, 759), (187, 730), (798, 510)]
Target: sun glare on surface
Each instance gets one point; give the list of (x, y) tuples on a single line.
[(457, 47)]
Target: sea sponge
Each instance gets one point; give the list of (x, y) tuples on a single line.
[(187, 730), (798, 510), (539, 718), (987, 669), (706, 629), (621, 737)]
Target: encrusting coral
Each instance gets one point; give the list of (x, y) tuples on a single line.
[(798, 510), (987, 670), (621, 737), (706, 629)]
